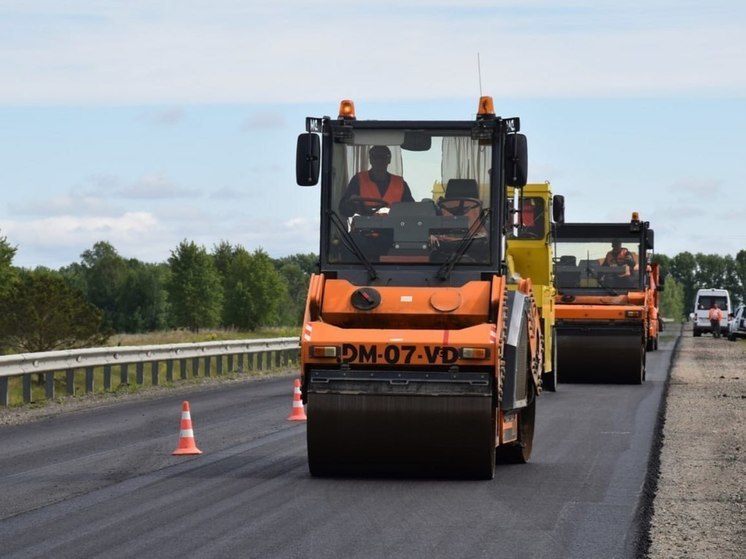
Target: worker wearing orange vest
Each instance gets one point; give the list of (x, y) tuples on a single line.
[(377, 184), (620, 256), (716, 316)]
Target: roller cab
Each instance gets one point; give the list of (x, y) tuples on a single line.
[(530, 249), (415, 357), (605, 300)]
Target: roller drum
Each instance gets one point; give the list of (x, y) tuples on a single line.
[(600, 354), (391, 426)]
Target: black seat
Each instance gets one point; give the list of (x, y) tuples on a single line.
[(461, 198), (461, 188), (568, 274)]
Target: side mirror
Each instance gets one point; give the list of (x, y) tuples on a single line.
[(649, 239), (515, 160), (307, 159), (558, 208)]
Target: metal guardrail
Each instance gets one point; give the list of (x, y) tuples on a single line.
[(191, 358)]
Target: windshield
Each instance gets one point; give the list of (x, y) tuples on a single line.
[(528, 218), (609, 264), (705, 302), (427, 204)]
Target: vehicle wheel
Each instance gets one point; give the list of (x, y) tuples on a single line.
[(519, 452), (549, 380), (696, 333), (732, 337)]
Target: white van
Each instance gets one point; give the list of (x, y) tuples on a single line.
[(701, 316)]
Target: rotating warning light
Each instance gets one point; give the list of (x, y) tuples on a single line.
[(346, 109)]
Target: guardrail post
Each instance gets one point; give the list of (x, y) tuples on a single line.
[(70, 381), (27, 382), (4, 396), (140, 373), (124, 375), (195, 367), (230, 364), (107, 378), (170, 370), (89, 380), (49, 385), (219, 362), (208, 363), (183, 369), (154, 366)]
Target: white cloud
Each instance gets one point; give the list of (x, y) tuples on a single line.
[(284, 52)]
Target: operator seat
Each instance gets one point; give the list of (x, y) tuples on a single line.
[(461, 198)]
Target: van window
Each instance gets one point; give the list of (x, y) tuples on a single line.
[(705, 302)]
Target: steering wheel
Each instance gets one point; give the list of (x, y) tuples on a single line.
[(459, 206), (366, 206)]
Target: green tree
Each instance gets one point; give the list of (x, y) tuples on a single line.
[(104, 277), (683, 270), (710, 270), (739, 263), (144, 301), (195, 290), (43, 313), (672, 300), (223, 253), (255, 290), (8, 274)]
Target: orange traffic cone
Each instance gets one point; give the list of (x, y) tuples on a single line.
[(186, 436), (298, 413)]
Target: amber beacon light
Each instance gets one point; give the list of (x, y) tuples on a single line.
[(346, 109), (486, 106)]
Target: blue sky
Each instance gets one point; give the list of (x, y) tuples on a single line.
[(144, 123)]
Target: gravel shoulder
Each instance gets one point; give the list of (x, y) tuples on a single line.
[(698, 508)]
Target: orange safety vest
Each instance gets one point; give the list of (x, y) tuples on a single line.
[(618, 259), (369, 189), (715, 314)]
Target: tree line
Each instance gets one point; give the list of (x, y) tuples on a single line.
[(83, 304), (685, 273)]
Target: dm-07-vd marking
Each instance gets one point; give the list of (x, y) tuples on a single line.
[(393, 354)]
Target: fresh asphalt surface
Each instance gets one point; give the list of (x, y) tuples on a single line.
[(103, 483)]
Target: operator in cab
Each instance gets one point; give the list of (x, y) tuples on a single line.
[(376, 184), (620, 256)]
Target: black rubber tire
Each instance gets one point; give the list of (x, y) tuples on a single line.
[(649, 344), (549, 380), (519, 452), (696, 333)]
